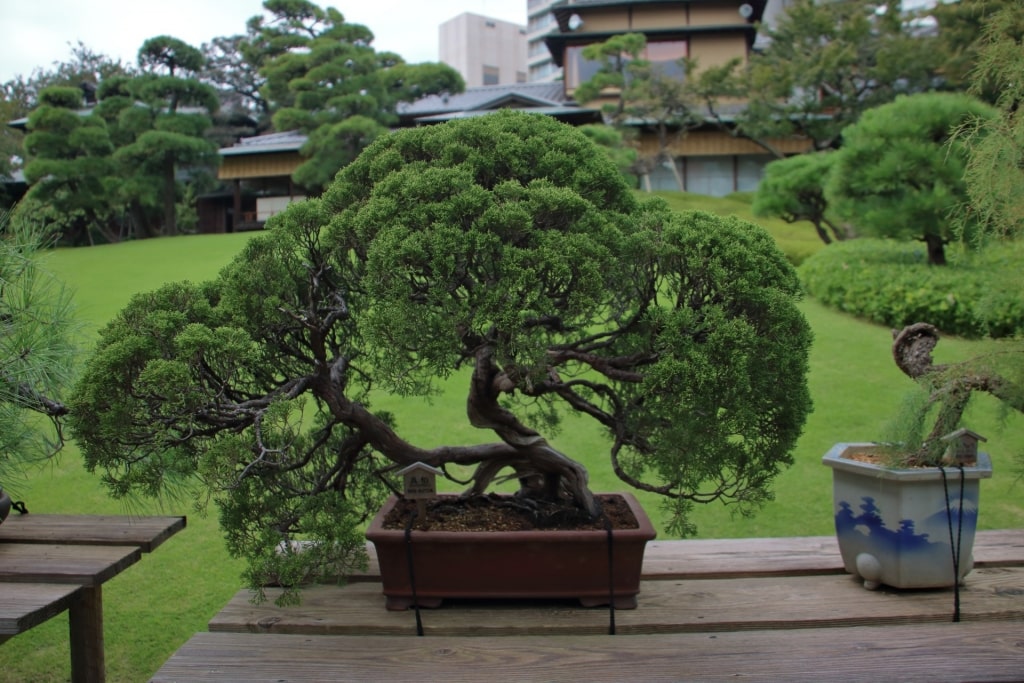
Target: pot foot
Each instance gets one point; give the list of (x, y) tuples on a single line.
[(869, 569)]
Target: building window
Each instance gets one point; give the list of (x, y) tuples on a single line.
[(664, 57), (538, 48), (577, 68), (491, 75), (542, 71), (540, 22)]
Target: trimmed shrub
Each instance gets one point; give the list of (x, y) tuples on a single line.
[(979, 294)]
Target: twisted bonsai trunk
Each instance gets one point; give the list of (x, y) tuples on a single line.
[(950, 385)]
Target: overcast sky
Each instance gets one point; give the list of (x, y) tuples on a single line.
[(38, 33)]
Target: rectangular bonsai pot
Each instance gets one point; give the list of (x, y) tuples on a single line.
[(511, 564), (894, 525)]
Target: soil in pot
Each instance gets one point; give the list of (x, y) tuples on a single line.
[(496, 512)]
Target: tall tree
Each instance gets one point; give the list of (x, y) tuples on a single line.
[(69, 164), (20, 95), (825, 64), (961, 27), (166, 121), (243, 109), (324, 78), (653, 95), (900, 171)]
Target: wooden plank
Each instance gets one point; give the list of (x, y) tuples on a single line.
[(25, 605), (742, 557), (80, 564), (932, 653), (999, 548), (749, 557), (145, 532), (713, 605)]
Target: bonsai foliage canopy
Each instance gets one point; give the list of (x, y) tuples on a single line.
[(504, 253)]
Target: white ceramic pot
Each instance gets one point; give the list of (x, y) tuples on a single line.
[(903, 527)]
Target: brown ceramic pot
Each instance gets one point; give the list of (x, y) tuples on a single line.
[(5, 505), (511, 564)]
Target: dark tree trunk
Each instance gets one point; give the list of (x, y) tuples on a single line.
[(936, 250), (170, 224), (821, 232)]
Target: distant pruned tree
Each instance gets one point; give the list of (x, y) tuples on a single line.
[(324, 78), (645, 94), (900, 172), (793, 189), (162, 116), (69, 167)]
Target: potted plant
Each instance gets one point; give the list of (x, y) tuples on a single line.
[(502, 254), (906, 516), (37, 352)]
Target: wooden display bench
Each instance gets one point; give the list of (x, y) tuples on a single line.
[(52, 563), (768, 609)]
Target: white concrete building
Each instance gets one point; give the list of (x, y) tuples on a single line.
[(540, 22), (485, 51)]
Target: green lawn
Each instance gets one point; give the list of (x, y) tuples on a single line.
[(153, 607)]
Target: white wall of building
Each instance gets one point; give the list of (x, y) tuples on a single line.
[(485, 51)]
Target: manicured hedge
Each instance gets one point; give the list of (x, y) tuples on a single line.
[(978, 294)]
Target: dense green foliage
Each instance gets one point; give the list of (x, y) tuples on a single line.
[(978, 294), (506, 244), (962, 28), (995, 182), (324, 78), (899, 174), (37, 351), (828, 62), (793, 189), (69, 164), (113, 170)]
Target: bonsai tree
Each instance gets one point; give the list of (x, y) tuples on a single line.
[(946, 389), (37, 350), (502, 252)]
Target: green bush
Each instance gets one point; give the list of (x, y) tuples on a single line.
[(979, 294)]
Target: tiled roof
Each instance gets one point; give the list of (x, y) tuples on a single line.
[(487, 97), (288, 141), (540, 98)]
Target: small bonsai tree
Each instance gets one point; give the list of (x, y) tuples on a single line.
[(946, 389), (504, 251)]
